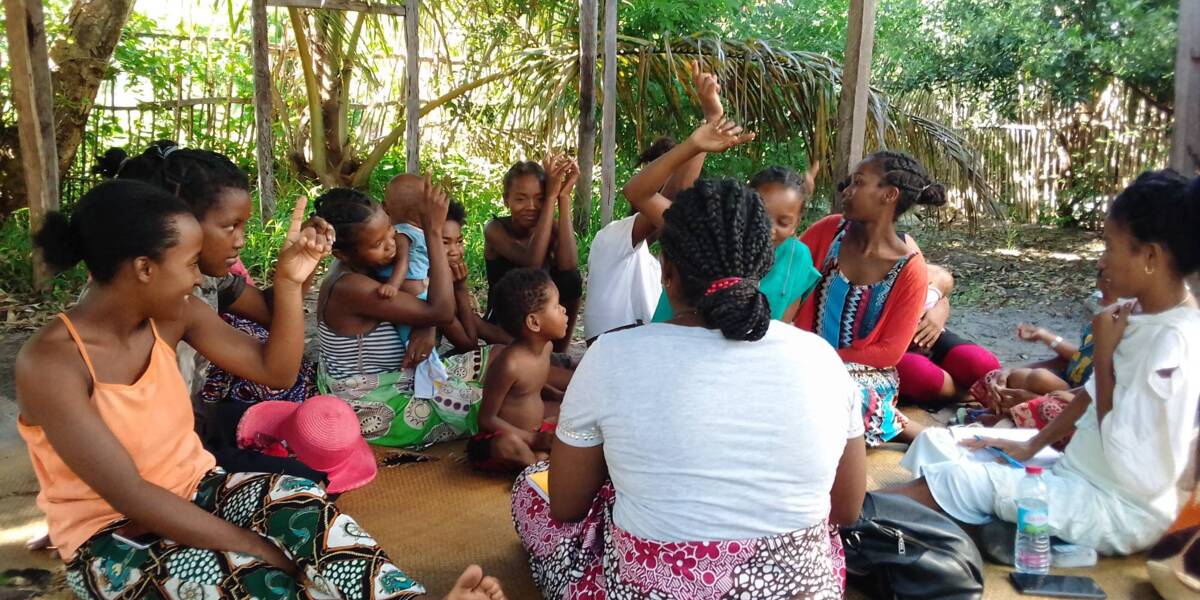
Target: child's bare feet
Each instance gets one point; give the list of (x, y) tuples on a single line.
[(472, 585)]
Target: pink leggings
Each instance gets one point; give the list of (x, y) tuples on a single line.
[(922, 380)]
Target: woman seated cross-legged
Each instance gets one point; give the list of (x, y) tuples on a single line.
[(134, 503), (695, 458), (1123, 477), (402, 399)]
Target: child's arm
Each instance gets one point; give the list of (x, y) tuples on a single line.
[(498, 381), (462, 332), (1063, 348), (491, 333), (566, 252), (399, 267)]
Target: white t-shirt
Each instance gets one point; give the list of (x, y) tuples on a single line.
[(711, 439), (624, 281), (1146, 443)]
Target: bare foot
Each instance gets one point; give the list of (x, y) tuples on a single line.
[(472, 585)]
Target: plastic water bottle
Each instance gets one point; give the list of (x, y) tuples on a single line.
[(1032, 550)]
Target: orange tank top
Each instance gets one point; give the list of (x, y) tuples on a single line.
[(152, 419)]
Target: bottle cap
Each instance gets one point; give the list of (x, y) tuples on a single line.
[(1032, 470)]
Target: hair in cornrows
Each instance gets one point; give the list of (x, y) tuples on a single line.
[(195, 176), (907, 175), (345, 209), (715, 230)]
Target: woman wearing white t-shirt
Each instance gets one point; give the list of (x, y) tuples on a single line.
[(732, 442), (1117, 486)]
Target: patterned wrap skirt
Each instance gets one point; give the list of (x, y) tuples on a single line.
[(390, 415), (882, 420), (336, 557), (595, 559)]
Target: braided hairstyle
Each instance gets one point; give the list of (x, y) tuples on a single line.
[(195, 176), (780, 175), (716, 230), (346, 210), (113, 222), (521, 169), (906, 174), (1163, 207)]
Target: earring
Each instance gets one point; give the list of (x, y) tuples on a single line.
[(1149, 270)]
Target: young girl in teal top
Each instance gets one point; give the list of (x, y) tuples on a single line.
[(793, 275)]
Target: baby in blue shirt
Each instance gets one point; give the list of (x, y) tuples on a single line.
[(409, 273)]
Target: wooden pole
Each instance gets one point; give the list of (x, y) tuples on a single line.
[(379, 8), (33, 99), (587, 112), (412, 71), (608, 131), (264, 141), (856, 84), (1185, 144)]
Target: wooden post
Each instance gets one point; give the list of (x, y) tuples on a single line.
[(33, 99), (856, 84), (412, 102), (264, 140), (1185, 143), (587, 113), (608, 130)]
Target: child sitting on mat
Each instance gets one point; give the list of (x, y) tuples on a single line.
[(409, 271), (513, 433)]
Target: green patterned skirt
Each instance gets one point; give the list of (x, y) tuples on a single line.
[(338, 558), (390, 415)]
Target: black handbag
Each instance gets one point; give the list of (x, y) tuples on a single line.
[(902, 549)]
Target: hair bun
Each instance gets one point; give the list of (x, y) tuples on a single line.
[(110, 163), (933, 194), (59, 244), (740, 310)]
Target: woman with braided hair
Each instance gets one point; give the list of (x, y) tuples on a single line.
[(632, 434), (872, 289)]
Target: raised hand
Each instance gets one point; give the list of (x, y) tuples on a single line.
[(719, 135), (436, 205), (303, 247), (570, 175), (708, 90), (810, 178), (555, 165)]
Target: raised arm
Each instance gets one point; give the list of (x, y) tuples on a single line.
[(276, 362), (258, 305), (53, 392), (643, 190), (533, 254), (566, 252)]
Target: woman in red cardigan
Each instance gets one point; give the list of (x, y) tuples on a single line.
[(872, 288)]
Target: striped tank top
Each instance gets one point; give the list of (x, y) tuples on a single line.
[(380, 350)]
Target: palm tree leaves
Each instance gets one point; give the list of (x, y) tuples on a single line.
[(779, 93)]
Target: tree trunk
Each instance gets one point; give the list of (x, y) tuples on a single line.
[(81, 59)]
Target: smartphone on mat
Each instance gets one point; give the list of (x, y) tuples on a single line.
[(1056, 586)]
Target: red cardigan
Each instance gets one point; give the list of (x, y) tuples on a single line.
[(885, 346)]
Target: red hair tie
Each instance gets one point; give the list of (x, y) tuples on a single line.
[(722, 284)]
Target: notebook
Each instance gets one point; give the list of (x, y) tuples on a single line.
[(1045, 458), (540, 482)]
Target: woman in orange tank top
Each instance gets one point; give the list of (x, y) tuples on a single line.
[(132, 499)]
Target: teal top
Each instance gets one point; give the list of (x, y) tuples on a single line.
[(791, 278)]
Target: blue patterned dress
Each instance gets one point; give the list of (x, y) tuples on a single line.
[(846, 313)]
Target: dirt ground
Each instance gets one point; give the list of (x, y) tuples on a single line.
[(1004, 276)]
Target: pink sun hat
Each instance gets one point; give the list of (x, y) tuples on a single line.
[(322, 432)]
